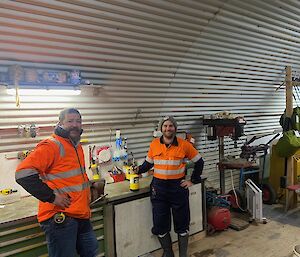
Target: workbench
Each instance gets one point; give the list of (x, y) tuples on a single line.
[(28, 206), (114, 219), (239, 164)]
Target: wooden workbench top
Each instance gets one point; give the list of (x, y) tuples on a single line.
[(237, 164), (28, 206)]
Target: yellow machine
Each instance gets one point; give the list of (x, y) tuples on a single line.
[(277, 171)]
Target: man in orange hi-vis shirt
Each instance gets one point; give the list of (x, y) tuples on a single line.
[(169, 188), (55, 174)]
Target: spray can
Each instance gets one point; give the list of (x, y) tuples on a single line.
[(95, 171), (134, 184), (127, 170)]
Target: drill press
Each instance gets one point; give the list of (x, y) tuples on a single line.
[(218, 128)]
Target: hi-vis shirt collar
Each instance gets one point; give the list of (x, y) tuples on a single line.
[(75, 145), (175, 142)]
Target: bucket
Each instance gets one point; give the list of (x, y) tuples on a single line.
[(296, 251)]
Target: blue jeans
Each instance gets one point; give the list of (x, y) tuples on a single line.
[(72, 237)]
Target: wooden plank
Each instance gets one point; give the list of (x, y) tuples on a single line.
[(291, 197), (109, 230), (289, 91)]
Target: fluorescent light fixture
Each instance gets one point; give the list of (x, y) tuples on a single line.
[(43, 92)]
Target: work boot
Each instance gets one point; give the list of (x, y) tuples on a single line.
[(183, 245), (166, 245)]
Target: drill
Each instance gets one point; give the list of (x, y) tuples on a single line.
[(8, 191)]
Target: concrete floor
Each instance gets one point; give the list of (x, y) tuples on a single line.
[(274, 239)]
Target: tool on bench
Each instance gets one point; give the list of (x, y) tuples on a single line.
[(251, 151), (8, 191), (98, 199)]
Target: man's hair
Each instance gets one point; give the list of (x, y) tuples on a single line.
[(66, 111), (169, 118)]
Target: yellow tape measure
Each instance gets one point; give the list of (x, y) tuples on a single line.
[(59, 217)]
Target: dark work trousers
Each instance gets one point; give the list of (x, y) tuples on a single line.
[(168, 196)]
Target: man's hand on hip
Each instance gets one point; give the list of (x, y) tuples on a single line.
[(186, 183), (62, 200)]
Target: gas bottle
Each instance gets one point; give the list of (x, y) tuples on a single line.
[(134, 182), (219, 218)]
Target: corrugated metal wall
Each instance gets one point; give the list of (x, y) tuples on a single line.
[(152, 58)]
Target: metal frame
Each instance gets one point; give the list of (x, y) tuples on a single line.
[(254, 201)]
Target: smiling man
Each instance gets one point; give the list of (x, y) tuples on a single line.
[(169, 188), (55, 174)]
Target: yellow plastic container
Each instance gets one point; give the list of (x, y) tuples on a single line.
[(134, 184)]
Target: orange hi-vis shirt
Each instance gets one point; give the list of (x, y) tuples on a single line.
[(63, 170), (169, 162)]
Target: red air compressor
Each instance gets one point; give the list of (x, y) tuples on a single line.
[(219, 218)]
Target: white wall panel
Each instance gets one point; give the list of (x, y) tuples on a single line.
[(151, 58)]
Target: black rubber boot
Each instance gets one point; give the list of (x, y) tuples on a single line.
[(166, 245), (183, 242)]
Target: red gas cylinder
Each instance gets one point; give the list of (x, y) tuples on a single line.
[(219, 218)]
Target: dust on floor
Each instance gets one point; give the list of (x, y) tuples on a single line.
[(274, 239)]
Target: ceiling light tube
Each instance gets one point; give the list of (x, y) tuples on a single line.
[(43, 92)]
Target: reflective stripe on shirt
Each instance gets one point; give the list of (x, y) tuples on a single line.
[(169, 172), (25, 173), (69, 189), (149, 160), (167, 162), (196, 158), (62, 151), (61, 175)]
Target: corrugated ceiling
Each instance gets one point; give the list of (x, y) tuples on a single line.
[(151, 58)]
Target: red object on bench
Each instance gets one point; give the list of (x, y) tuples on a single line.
[(118, 177), (293, 187)]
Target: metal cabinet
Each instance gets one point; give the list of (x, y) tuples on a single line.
[(22, 239), (25, 238), (133, 222)]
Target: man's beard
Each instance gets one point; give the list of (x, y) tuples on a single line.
[(76, 138), (169, 135)]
